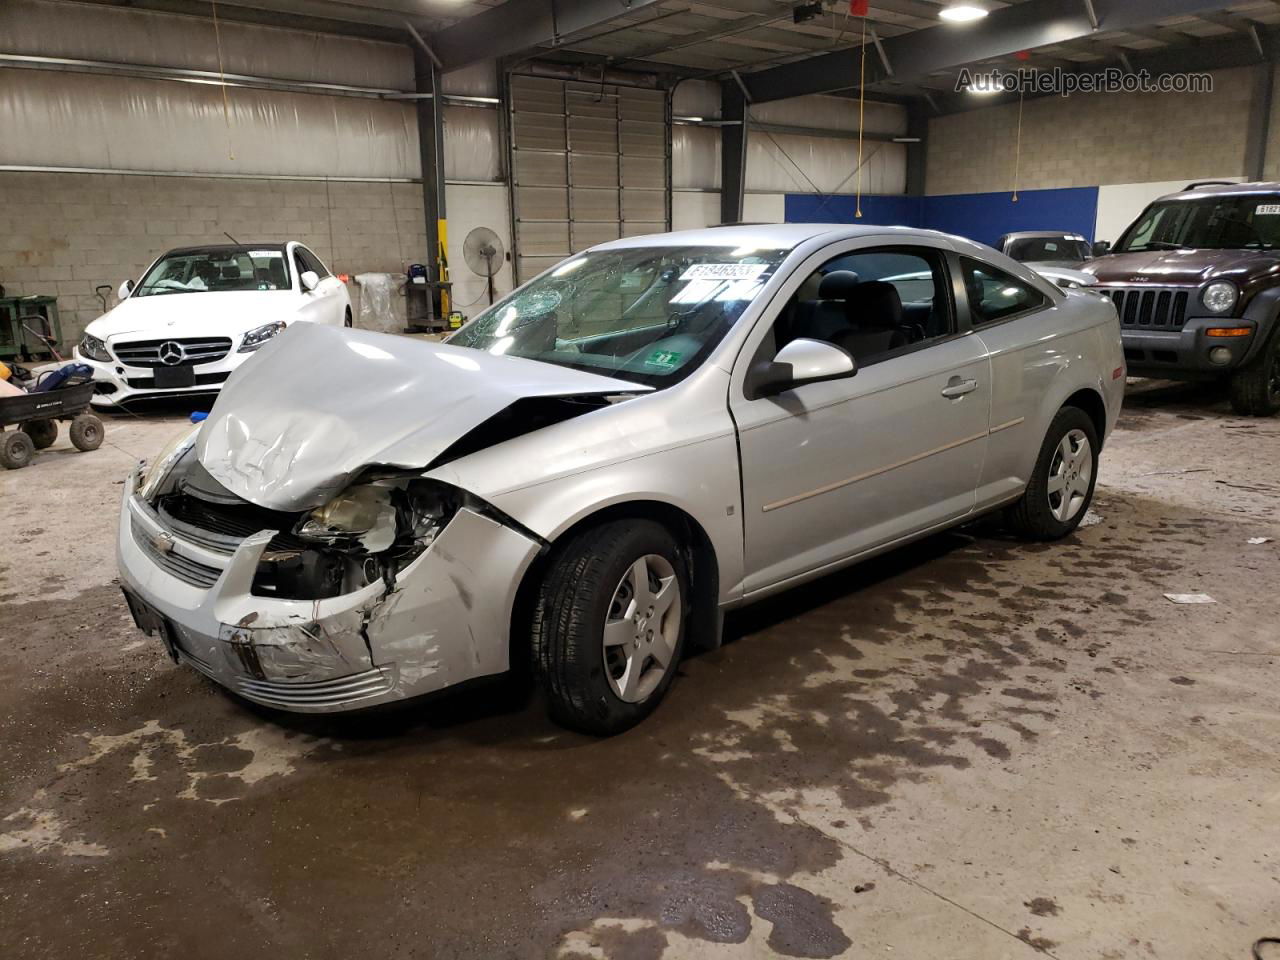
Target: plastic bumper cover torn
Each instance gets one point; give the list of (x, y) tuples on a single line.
[(445, 620)]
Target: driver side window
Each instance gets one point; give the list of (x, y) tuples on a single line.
[(874, 304)]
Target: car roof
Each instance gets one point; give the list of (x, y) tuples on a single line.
[(1224, 189), (224, 248), (1037, 234), (775, 236)]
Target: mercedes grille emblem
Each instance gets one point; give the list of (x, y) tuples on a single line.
[(171, 353)]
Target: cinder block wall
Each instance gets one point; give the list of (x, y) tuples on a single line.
[(1096, 139), (64, 233)]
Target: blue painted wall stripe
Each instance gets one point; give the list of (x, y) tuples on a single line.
[(984, 217)]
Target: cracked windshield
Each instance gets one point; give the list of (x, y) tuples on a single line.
[(646, 314)]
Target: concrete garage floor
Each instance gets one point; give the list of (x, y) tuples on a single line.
[(970, 748)]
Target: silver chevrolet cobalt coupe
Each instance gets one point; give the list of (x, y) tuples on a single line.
[(589, 473)]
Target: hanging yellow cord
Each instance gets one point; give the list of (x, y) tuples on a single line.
[(1017, 150), (222, 79), (862, 97)]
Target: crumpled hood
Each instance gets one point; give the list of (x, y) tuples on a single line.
[(318, 403), (1181, 266), (224, 313)]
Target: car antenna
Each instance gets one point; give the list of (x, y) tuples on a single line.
[(232, 239)]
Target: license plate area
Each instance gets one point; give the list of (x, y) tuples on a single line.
[(151, 621), (171, 377)]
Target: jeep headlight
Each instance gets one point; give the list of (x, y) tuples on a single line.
[(1219, 297), (260, 335), (157, 468), (94, 349)]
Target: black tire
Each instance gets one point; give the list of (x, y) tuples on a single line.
[(1255, 389), (16, 449), (86, 432), (1032, 517), (574, 601), (346, 320), (43, 433)]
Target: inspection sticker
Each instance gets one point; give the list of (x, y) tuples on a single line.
[(666, 359), (1267, 209), (724, 271)]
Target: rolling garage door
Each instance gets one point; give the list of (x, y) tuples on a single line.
[(589, 163)]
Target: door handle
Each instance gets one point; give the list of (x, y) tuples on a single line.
[(958, 388)]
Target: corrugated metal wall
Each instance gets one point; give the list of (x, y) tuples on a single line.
[(590, 163), (91, 31)]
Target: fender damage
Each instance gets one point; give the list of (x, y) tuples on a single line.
[(418, 599)]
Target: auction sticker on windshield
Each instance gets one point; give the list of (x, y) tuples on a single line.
[(1267, 209), (724, 271)]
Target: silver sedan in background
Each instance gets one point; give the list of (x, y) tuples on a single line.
[(588, 474)]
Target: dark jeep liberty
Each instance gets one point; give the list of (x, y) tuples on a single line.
[(1196, 282)]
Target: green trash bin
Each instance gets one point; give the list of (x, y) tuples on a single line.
[(40, 315)]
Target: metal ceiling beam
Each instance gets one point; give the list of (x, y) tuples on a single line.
[(272, 14), (1025, 26), (733, 150), (521, 25)]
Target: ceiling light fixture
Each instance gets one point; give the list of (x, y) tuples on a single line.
[(962, 13), (906, 139)]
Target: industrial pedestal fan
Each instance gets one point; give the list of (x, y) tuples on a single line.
[(483, 253)]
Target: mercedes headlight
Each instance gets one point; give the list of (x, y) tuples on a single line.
[(260, 335), (1219, 297), (94, 349), (157, 468)]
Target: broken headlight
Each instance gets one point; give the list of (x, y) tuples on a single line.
[(361, 516), (368, 532), (155, 470)]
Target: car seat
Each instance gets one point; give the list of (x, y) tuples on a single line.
[(864, 318)]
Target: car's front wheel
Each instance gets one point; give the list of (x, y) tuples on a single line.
[(1255, 389), (1061, 486), (609, 625)]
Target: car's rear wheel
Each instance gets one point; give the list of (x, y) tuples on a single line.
[(1255, 389), (609, 625), (1061, 486), (43, 433)]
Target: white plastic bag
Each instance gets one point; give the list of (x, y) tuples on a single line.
[(381, 307)]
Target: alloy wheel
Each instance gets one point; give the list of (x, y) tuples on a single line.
[(1070, 474), (642, 628)]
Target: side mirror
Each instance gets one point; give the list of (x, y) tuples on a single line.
[(124, 289), (1101, 248), (309, 279), (801, 361)]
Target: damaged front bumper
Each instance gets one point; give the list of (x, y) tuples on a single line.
[(447, 619)]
